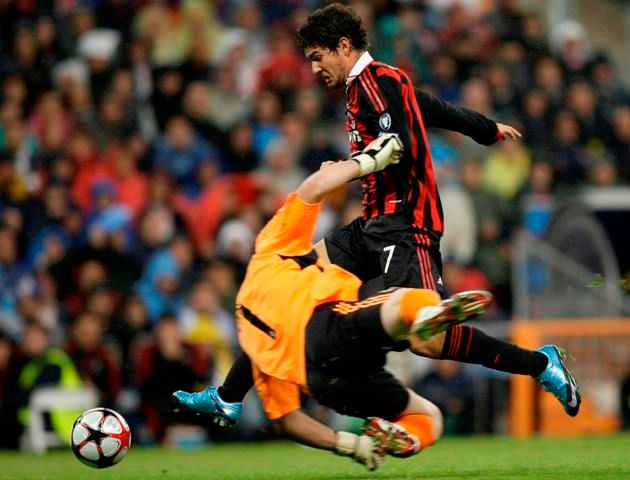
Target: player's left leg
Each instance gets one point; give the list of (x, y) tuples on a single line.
[(468, 344), (225, 403)]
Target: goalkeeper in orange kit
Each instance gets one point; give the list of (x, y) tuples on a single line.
[(302, 326)]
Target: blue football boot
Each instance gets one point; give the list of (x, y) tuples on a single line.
[(208, 402), (557, 380)]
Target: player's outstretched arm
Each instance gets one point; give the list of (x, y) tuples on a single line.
[(308, 431), (440, 114), (375, 157)]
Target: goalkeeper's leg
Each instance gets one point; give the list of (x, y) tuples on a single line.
[(419, 426)]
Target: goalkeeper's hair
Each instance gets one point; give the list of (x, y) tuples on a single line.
[(326, 26)]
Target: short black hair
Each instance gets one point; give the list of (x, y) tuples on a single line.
[(326, 26)]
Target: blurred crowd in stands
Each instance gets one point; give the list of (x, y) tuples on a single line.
[(144, 143)]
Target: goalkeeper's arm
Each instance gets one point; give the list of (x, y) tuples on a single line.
[(375, 157), (308, 431)]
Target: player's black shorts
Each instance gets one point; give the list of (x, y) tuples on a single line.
[(346, 348), (390, 247)]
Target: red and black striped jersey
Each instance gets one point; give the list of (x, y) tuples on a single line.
[(382, 99)]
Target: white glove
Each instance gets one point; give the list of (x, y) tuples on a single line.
[(360, 447), (379, 153)]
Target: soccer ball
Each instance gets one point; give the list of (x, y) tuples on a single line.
[(100, 437)]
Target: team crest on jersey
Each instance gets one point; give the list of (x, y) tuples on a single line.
[(385, 121)]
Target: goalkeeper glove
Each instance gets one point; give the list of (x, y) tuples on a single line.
[(362, 448), (378, 154)]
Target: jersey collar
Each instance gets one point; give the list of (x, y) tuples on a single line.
[(364, 60)]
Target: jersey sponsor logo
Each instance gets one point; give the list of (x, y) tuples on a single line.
[(355, 137), (353, 133), (385, 121)]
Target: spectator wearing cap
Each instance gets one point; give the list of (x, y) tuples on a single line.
[(98, 47)]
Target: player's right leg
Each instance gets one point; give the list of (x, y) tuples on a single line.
[(421, 313), (456, 309)]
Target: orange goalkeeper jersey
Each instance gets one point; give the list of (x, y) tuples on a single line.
[(283, 285)]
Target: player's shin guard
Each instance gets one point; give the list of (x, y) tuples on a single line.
[(414, 300)]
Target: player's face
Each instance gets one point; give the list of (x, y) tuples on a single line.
[(327, 64)]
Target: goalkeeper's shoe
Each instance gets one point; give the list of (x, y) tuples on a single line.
[(456, 309), (557, 380), (394, 439), (208, 402)]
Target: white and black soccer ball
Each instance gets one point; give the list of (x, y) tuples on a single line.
[(100, 437)]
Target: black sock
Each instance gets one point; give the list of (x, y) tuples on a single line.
[(239, 380), (471, 345)]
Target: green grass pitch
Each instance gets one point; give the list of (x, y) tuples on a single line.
[(457, 459)]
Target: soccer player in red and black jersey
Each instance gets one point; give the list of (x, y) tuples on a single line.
[(397, 238), (402, 215)]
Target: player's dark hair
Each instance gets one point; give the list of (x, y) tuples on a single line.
[(326, 26)]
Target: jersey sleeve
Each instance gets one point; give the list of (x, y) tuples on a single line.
[(291, 229), (278, 397), (440, 114)]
